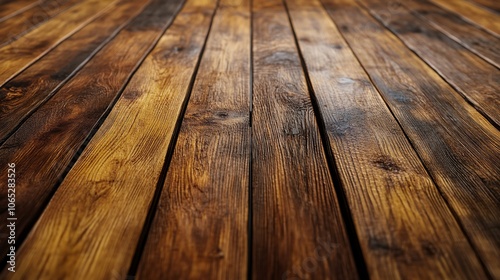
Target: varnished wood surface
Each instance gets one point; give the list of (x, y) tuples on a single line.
[(251, 139)]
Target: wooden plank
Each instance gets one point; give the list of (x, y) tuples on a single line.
[(477, 80), (458, 146), (298, 231), (26, 92), (491, 4), (92, 232), (21, 53), (200, 230), (473, 13), (15, 27), (67, 119), (476, 40), (12, 8)]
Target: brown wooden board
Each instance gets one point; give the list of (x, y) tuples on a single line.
[(200, 230), (477, 80), (12, 8), (458, 146), (21, 53), (100, 208), (480, 42), (298, 231), (491, 4), (44, 145), (475, 14), (404, 226), (23, 94), (16, 26)]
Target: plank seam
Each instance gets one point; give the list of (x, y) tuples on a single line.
[(32, 5), (250, 169), (332, 166)]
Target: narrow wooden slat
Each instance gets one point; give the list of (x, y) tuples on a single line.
[(478, 41), (458, 146), (66, 119), (477, 80), (15, 27), (27, 91), (298, 231), (14, 7), (473, 13), (16, 56), (405, 228), (491, 4), (92, 225), (200, 230)]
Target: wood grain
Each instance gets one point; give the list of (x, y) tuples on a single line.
[(473, 13), (27, 91), (491, 4), (476, 40), (458, 146), (477, 80), (200, 230), (100, 208), (24, 51), (386, 186), (15, 27), (298, 231), (12, 8), (67, 119)]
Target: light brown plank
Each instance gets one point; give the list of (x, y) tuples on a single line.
[(14, 7), (19, 54), (458, 146), (482, 17), (474, 78), (405, 228), (15, 27), (91, 227), (298, 231), (491, 4), (200, 230), (480, 42)]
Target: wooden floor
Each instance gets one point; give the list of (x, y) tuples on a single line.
[(260, 139)]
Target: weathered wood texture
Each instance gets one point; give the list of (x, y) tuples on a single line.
[(491, 4), (200, 230), (473, 77), (16, 26), (476, 40), (375, 169), (27, 91), (12, 8), (121, 165), (21, 53), (68, 118), (291, 182), (458, 146), (473, 13)]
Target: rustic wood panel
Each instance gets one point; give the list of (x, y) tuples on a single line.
[(15, 27), (298, 231), (24, 51), (491, 4), (386, 186), (458, 146), (200, 230), (23, 94), (476, 40), (68, 118), (12, 8), (477, 80), (121, 165), (473, 13)]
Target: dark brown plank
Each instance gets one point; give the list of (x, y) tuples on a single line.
[(68, 118), (458, 146), (491, 4), (477, 80), (469, 11), (15, 27), (201, 228), (21, 53), (12, 8), (476, 40), (100, 208), (27, 91), (298, 231), (404, 226)]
